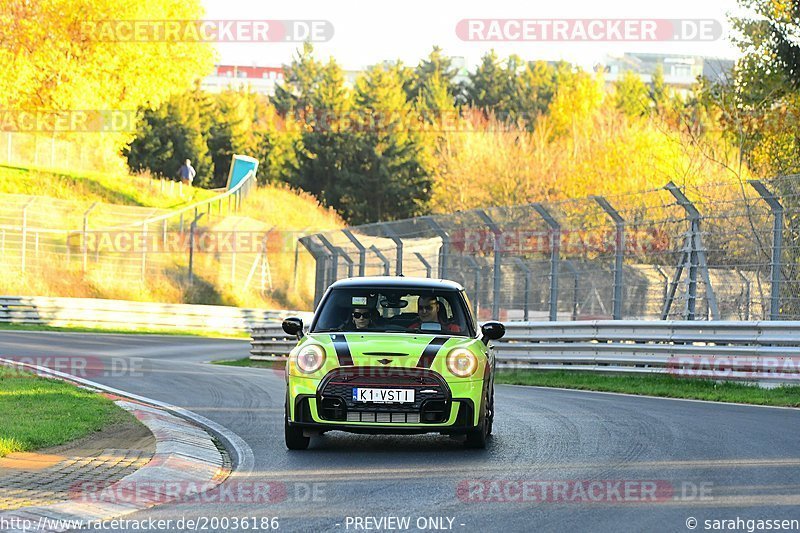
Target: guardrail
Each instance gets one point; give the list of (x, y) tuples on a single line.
[(131, 315), (763, 351), (235, 194)]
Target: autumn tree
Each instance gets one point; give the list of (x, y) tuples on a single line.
[(54, 59)]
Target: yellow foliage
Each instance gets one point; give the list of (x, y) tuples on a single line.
[(601, 152)]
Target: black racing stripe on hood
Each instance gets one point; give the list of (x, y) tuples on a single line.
[(342, 350), (430, 351)]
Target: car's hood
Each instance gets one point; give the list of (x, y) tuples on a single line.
[(401, 349)]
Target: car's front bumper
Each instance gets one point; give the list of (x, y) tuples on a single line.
[(321, 405), (307, 417)]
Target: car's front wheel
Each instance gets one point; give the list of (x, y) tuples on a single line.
[(491, 413), (293, 436), (477, 438)]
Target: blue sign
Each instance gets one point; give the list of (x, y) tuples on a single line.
[(240, 166)]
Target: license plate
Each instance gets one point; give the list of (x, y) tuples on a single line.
[(383, 395)]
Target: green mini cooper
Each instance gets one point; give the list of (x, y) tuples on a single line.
[(391, 355)]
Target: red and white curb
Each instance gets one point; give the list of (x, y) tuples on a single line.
[(186, 463)]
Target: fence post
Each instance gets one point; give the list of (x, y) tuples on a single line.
[(444, 251), (496, 233), (695, 257), (192, 229), (320, 256), (233, 253), (746, 293), (522, 266), (334, 272), (555, 246), (666, 282), (476, 302), (347, 260), (362, 252), (619, 253), (777, 246), (85, 249), (296, 261), (144, 251), (25, 230), (398, 242), (383, 259), (421, 259), (575, 280)]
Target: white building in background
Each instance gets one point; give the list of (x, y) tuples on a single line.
[(680, 71)]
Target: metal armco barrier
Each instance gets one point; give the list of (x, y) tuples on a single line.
[(128, 314), (270, 341), (722, 350)]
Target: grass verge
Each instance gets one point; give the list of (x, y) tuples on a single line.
[(38, 413), (149, 331), (664, 386)]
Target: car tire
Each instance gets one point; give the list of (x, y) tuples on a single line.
[(293, 436), (491, 414), (478, 437)]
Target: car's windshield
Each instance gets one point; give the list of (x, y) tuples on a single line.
[(393, 311)]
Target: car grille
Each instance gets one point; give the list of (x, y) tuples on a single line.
[(383, 417), (431, 397)]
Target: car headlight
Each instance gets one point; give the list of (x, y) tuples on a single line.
[(461, 362), (311, 358)]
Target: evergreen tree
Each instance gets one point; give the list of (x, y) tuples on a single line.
[(170, 134), (392, 180), (325, 151), (484, 89), (631, 95), (435, 71), (658, 89)]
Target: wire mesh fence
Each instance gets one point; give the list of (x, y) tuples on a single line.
[(719, 252), (46, 244)]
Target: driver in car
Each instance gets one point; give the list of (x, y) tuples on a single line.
[(362, 317), (428, 309)]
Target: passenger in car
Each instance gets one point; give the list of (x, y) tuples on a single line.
[(428, 309)]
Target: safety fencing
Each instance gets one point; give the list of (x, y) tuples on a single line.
[(44, 238), (725, 251), (123, 314), (719, 350)]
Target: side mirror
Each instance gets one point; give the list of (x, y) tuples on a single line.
[(293, 326), (493, 331)]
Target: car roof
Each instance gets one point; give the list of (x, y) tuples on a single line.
[(397, 282)]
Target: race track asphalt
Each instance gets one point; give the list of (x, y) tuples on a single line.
[(565, 459)]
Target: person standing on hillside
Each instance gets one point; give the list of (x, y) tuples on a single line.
[(187, 173)]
